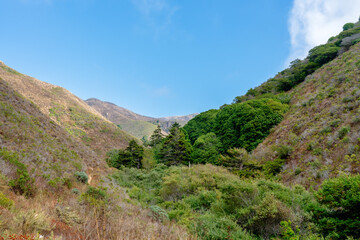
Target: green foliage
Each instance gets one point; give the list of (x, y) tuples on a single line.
[(175, 149), (337, 215), (343, 131), (211, 226), (235, 158), (81, 177), (245, 125), (288, 233), (95, 196), (283, 151), (206, 149), (132, 156), (75, 191), (157, 137), (271, 168), (201, 124), (215, 204), (5, 202), (323, 54), (96, 193), (348, 26), (23, 184), (158, 214)]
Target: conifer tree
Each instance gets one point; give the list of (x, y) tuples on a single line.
[(176, 148), (157, 137), (136, 153)]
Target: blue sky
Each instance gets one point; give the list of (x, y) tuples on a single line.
[(163, 57)]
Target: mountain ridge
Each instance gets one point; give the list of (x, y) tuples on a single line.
[(136, 124)]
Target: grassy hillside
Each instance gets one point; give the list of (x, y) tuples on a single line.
[(70, 112), (28, 136), (322, 125), (133, 123), (44, 171)]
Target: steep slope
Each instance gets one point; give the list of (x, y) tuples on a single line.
[(36, 141), (133, 123), (67, 110), (38, 159), (321, 129)]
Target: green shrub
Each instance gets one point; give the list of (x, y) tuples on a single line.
[(96, 193), (288, 233), (23, 184), (283, 151), (271, 168), (81, 177), (158, 214), (323, 54), (75, 190), (337, 216), (348, 26), (343, 131), (5, 202), (210, 226)]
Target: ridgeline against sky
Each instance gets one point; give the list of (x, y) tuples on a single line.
[(160, 57)]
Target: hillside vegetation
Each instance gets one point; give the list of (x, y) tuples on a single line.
[(135, 124), (45, 177), (69, 111), (280, 162), (286, 155)]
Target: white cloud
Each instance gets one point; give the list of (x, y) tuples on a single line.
[(313, 22), (158, 14)]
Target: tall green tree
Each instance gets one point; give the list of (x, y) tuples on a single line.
[(201, 124), (245, 125), (206, 149), (176, 148), (130, 157), (136, 153), (157, 137)]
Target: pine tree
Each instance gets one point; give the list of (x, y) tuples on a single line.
[(176, 148), (157, 137), (129, 157), (136, 153)]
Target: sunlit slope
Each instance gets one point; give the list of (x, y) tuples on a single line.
[(73, 114), (321, 131)]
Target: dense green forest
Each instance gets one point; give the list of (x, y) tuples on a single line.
[(205, 177)]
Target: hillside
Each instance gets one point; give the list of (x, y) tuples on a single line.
[(133, 123), (69, 111), (322, 125), (37, 141), (44, 172)]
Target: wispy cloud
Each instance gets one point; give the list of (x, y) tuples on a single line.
[(313, 22), (157, 14)]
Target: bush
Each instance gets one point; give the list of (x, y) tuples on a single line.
[(97, 193), (158, 214), (348, 26), (210, 226), (81, 177), (23, 184), (343, 131), (337, 216), (271, 168), (283, 151), (5, 202)]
